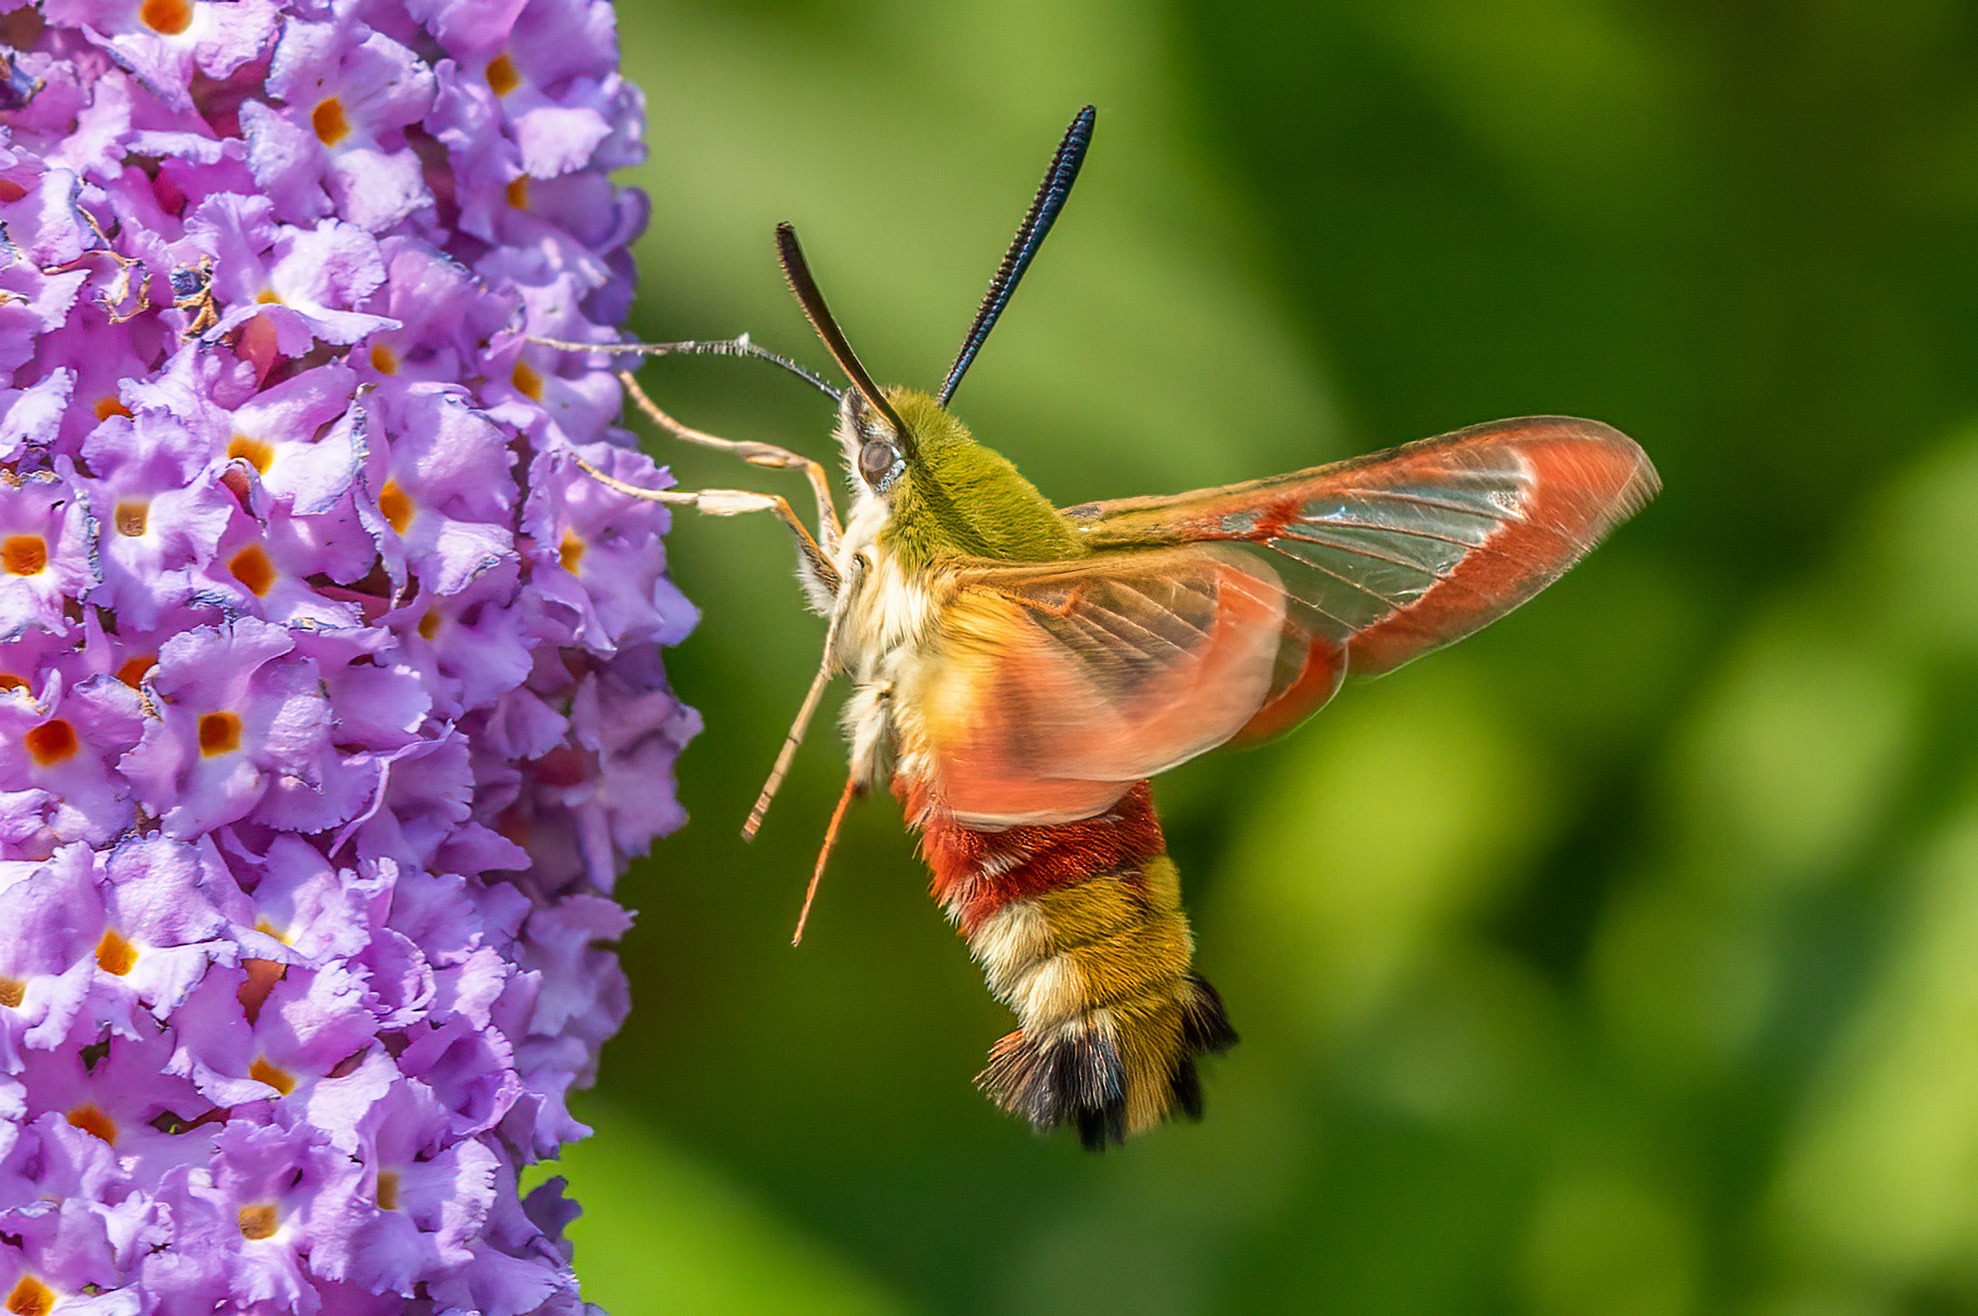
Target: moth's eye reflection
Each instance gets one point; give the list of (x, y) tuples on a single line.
[(878, 461)]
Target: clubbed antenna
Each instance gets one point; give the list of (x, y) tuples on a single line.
[(1029, 237), (797, 270)]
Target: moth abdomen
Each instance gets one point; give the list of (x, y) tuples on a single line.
[(1110, 1071), (1079, 929)]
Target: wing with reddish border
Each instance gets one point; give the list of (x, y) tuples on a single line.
[(1237, 612), (1050, 689), (1388, 556)]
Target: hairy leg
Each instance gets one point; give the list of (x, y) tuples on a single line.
[(729, 502)]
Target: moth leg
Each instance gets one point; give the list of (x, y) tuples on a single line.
[(826, 668), (824, 856), (729, 502), (755, 454)]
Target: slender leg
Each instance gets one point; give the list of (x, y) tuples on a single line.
[(825, 668), (755, 454), (734, 502), (729, 502), (824, 857)]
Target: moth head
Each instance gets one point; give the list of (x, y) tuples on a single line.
[(879, 446), (875, 443), (866, 418)]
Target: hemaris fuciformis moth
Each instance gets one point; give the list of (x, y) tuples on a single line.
[(1020, 671)]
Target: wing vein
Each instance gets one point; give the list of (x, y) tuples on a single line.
[(1496, 513), (1349, 627), (1434, 572)]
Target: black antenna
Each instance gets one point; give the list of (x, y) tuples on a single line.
[(1029, 237), (797, 271)]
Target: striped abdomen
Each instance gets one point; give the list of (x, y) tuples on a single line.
[(1079, 929)]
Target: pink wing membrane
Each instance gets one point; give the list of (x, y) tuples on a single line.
[(1055, 689), (1237, 612)]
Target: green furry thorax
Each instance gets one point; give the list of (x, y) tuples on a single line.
[(960, 499)]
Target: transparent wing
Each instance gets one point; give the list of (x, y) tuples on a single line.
[(1237, 612), (1388, 556)]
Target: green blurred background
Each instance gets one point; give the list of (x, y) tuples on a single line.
[(1623, 959)]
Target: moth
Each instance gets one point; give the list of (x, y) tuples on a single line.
[(1020, 671)]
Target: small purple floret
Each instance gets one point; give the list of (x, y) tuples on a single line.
[(331, 692)]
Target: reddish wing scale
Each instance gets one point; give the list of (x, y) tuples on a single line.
[(1055, 687), (1237, 612), (1399, 552)]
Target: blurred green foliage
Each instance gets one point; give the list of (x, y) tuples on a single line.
[(1623, 960)]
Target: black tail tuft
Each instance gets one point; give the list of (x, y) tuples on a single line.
[(1079, 1078), (1076, 1077), (1205, 1030), (1204, 1022), (1186, 1085)]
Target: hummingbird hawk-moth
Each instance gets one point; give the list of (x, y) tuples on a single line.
[(1020, 671)]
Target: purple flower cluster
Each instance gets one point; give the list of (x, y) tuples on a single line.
[(331, 697)]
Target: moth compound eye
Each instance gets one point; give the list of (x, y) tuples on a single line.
[(879, 463)]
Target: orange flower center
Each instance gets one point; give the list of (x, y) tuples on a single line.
[(166, 17), (571, 552), (24, 555), (132, 517), (114, 955), (253, 451), (108, 406), (252, 568), (133, 670), (219, 733), (503, 76), (273, 1075), (259, 1221), (91, 1120), (330, 122), (527, 382), (396, 504), (30, 1297), (52, 742)]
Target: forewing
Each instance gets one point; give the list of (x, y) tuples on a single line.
[(1049, 690), (1388, 556), (1236, 612)]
